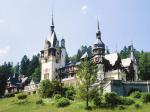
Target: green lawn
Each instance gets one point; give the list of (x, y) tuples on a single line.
[(9, 105)]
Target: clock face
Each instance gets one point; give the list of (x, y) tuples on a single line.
[(97, 60)]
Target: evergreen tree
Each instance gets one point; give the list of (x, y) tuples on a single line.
[(67, 59), (5, 73), (34, 63), (86, 76), (24, 66), (36, 76)]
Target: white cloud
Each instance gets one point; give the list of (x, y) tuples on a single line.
[(5, 50), (84, 9)]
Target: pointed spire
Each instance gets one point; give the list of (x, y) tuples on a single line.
[(132, 54), (98, 34), (52, 24), (98, 23), (52, 18)]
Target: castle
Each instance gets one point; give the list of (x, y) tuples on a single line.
[(111, 67)]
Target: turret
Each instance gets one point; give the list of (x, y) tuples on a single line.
[(62, 43), (98, 47)]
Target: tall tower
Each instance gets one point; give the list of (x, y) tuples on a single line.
[(63, 53), (50, 56), (98, 47), (134, 62), (99, 53)]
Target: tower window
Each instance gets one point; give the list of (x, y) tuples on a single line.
[(46, 76)]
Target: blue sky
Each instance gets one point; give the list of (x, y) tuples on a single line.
[(24, 24)]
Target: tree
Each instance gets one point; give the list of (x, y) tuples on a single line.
[(45, 89), (144, 66), (34, 65), (67, 58), (24, 65), (86, 76), (36, 76), (5, 72)]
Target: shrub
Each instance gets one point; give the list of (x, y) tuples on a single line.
[(111, 99), (70, 92), (126, 101), (21, 96), (8, 95), (121, 107), (39, 101), (45, 89), (97, 101), (146, 97), (57, 96), (62, 102), (136, 94), (137, 106)]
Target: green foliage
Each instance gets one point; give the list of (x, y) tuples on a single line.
[(136, 94), (112, 99), (45, 89), (121, 107), (144, 65), (39, 101), (125, 101), (137, 106), (86, 76), (58, 87), (22, 96), (57, 96), (36, 75), (80, 52), (24, 65), (97, 100), (70, 93), (143, 61), (5, 72), (62, 102), (8, 95), (146, 98)]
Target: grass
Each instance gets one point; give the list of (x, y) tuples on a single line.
[(10, 105)]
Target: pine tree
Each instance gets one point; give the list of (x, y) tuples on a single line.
[(86, 76), (24, 65)]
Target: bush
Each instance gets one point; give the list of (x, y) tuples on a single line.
[(137, 106), (111, 99), (57, 96), (21, 96), (146, 97), (97, 101), (136, 94), (70, 93), (39, 101), (126, 101), (121, 107), (45, 89), (8, 95), (62, 102)]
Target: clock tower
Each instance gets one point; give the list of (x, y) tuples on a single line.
[(99, 53)]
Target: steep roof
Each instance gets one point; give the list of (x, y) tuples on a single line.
[(52, 39), (85, 55), (112, 58), (126, 62)]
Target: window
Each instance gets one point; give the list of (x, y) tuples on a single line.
[(46, 76)]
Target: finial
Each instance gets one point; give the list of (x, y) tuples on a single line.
[(52, 18), (131, 46), (98, 23)]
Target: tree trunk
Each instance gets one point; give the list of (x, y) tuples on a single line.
[(87, 97)]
